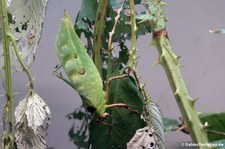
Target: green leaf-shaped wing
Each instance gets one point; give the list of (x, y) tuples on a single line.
[(79, 67)]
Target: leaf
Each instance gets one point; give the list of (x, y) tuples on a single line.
[(30, 129), (26, 23), (27, 139), (170, 124), (216, 122), (86, 17), (88, 9), (122, 123), (155, 14), (124, 53), (157, 124), (36, 112), (123, 30), (218, 31), (143, 138)]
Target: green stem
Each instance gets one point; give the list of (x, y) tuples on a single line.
[(170, 63), (25, 68), (99, 33), (8, 118), (132, 58), (132, 62)]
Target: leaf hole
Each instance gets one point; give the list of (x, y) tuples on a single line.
[(152, 144)]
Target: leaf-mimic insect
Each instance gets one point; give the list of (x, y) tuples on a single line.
[(81, 70)]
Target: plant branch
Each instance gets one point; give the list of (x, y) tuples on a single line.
[(216, 132), (99, 33), (132, 57), (110, 46), (170, 63), (8, 137), (132, 63), (26, 69)]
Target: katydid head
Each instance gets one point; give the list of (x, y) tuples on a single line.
[(92, 109)]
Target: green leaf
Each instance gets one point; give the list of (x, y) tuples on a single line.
[(124, 123), (170, 124), (216, 122), (86, 17), (220, 144), (157, 123), (88, 9), (123, 30), (124, 53)]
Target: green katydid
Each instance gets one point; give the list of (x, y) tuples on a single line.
[(81, 71)]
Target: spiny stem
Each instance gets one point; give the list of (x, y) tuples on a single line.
[(132, 58), (132, 62), (99, 33), (25, 68), (110, 46), (170, 63), (147, 98), (8, 139)]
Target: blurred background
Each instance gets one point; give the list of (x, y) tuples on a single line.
[(202, 55)]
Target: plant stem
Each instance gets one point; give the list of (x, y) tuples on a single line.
[(110, 46), (170, 63), (132, 62), (8, 139), (31, 85), (132, 58), (99, 33)]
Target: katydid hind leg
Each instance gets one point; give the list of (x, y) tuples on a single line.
[(115, 78), (109, 82), (122, 105)]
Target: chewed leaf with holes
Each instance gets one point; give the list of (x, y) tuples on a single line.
[(144, 138), (26, 19), (30, 122)]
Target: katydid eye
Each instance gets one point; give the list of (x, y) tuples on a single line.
[(91, 109)]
